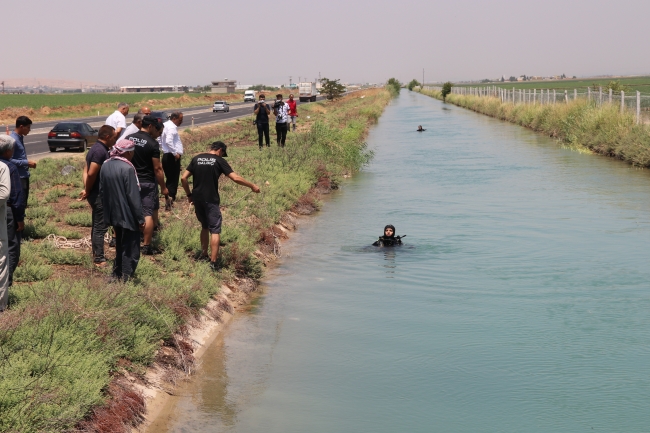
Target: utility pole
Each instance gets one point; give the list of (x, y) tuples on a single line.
[(289, 81), (3, 87), (299, 79)]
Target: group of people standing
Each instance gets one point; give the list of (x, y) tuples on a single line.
[(285, 113), (14, 193), (123, 177), (125, 174)]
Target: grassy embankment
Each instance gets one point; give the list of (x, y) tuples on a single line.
[(69, 335), (642, 84), (578, 124), (61, 106)]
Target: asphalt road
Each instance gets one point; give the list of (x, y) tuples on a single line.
[(36, 141)]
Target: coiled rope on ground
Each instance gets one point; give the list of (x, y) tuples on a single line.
[(65, 243)]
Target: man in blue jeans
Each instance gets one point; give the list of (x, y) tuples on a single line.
[(19, 158), (15, 206)]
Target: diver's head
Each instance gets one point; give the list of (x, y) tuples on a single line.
[(389, 231)]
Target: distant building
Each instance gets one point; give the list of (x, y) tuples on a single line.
[(225, 86), (243, 86), (153, 89)]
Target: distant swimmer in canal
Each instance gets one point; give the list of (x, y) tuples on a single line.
[(420, 129), (389, 239)]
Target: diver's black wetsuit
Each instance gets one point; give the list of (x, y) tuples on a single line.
[(386, 241)]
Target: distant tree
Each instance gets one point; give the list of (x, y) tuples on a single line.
[(574, 77), (616, 87), (513, 79), (414, 83), (446, 90), (332, 89), (485, 81), (394, 86), (259, 87)]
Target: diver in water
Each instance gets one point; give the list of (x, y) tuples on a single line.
[(389, 239), (420, 129)]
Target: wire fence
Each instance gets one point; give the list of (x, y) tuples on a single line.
[(634, 101)]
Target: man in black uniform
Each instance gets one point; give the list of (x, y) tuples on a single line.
[(262, 111), (146, 161), (206, 169)]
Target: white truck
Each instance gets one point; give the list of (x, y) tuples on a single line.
[(307, 91), (249, 96)]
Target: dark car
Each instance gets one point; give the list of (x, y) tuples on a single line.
[(162, 116), (71, 135)]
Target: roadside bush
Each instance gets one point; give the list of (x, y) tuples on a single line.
[(83, 219), (52, 196)]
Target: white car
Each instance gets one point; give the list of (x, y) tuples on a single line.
[(220, 106)]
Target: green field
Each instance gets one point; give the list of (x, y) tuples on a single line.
[(69, 100), (642, 84)]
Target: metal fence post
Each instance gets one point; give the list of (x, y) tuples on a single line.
[(554, 96), (610, 96), (575, 94), (638, 107), (534, 96), (600, 96), (589, 94), (566, 96), (622, 101)]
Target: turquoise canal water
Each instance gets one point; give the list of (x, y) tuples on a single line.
[(520, 303)]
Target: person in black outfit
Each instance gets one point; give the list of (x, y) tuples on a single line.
[(389, 239), (95, 158), (262, 111), (146, 161), (206, 168), (120, 192)]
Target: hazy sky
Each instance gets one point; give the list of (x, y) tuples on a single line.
[(254, 41)]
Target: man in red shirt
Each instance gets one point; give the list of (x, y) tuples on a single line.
[(293, 112)]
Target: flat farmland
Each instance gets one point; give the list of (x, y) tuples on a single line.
[(62, 106), (642, 84), (37, 101)]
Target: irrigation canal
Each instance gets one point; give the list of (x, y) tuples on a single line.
[(520, 302)]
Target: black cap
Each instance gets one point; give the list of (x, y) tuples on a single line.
[(220, 145)]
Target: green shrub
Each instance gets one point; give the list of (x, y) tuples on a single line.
[(52, 196), (83, 219), (78, 205), (39, 212)]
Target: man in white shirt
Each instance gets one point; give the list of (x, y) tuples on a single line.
[(137, 122), (118, 119), (172, 149)]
